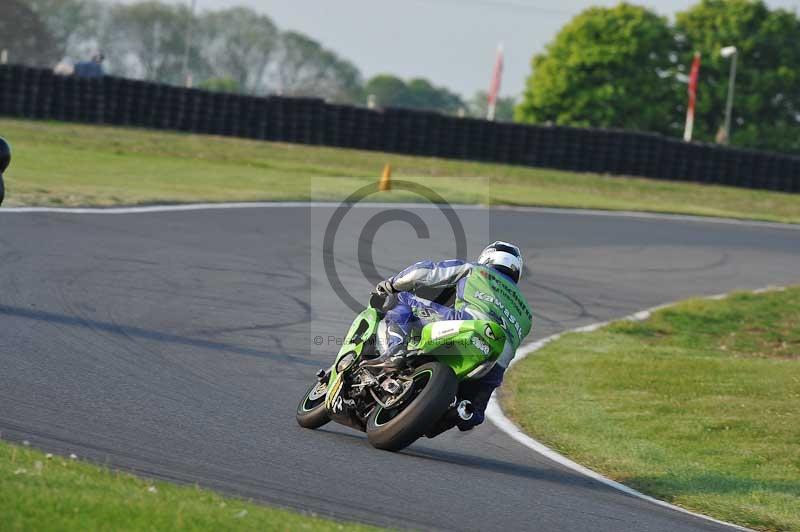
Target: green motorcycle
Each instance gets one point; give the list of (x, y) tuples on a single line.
[(398, 401)]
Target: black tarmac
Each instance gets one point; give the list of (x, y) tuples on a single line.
[(177, 345)]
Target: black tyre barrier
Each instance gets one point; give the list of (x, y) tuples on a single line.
[(39, 94)]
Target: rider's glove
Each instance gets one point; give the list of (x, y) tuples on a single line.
[(384, 288)]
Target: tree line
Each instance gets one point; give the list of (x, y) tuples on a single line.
[(237, 48), (620, 67), (627, 67), (231, 50)]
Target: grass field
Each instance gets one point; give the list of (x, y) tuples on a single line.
[(74, 165), (43, 492), (699, 405)]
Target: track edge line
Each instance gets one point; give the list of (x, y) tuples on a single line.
[(178, 207)]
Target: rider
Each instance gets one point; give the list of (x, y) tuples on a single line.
[(482, 290), (5, 159)]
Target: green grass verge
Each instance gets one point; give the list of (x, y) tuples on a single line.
[(44, 492), (60, 164), (699, 405)]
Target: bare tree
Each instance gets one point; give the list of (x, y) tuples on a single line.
[(238, 44), (25, 36), (235, 47), (304, 68), (146, 40), (73, 24)]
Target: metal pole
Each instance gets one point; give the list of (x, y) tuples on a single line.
[(729, 105), (188, 43)]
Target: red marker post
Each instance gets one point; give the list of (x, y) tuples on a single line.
[(494, 88), (693, 75)]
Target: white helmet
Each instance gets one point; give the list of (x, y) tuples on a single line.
[(503, 257)]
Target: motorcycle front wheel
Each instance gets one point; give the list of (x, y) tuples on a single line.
[(435, 386), (311, 412)]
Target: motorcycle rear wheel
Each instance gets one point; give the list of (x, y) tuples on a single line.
[(397, 428), (311, 412)]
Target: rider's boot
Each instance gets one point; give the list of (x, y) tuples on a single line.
[(394, 353)]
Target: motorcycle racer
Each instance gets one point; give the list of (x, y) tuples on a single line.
[(5, 159), (482, 290)]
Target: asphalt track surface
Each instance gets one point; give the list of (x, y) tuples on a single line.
[(176, 344)]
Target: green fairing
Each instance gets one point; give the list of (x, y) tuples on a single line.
[(469, 347), (361, 332), (497, 296), (464, 345)]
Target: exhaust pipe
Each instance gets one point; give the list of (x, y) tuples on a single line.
[(465, 410), (462, 411)]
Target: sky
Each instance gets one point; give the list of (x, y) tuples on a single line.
[(450, 42)]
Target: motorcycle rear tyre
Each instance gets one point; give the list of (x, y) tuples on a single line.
[(417, 417)]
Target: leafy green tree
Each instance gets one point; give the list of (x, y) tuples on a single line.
[(418, 93), (25, 36), (422, 94), (504, 107), (608, 67), (388, 90), (766, 109), (238, 44), (228, 85)]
